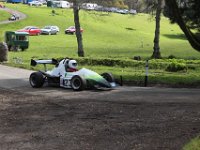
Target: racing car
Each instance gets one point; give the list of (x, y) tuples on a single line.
[(65, 74), (13, 17)]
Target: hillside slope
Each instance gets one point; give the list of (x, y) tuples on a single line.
[(105, 35)]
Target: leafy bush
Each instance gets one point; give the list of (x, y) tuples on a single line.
[(192, 66), (157, 64), (109, 62), (171, 57), (175, 67), (171, 65)]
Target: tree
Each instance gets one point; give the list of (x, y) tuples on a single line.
[(77, 26), (189, 10), (178, 18), (76, 9), (156, 48)]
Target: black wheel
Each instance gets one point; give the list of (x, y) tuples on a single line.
[(78, 83), (36, 79), (108, 76), (9, 47), (15, 48)]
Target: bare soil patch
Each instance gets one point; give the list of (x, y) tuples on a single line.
[(30, 122)]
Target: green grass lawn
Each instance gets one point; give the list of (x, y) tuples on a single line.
[(112, 36), (193, 145), (4, 15)]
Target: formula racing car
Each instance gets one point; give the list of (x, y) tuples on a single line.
[(65, 74)]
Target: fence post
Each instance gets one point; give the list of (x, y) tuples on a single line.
[(121, 81), (146, 73)]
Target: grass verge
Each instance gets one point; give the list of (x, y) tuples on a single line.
[(193, 145), (4, 15)]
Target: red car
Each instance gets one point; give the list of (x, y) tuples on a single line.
[(72, 30), (31, 30)]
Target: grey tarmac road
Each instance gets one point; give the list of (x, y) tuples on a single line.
[(16, 79), (11, 11)]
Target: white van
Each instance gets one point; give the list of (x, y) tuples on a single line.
[(61, 4), (64, 4)]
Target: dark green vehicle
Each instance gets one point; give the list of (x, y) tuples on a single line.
[(17, 40)]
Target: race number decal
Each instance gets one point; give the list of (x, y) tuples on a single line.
[(66, 82)]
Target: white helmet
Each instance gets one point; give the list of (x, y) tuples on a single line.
[(72, 64)]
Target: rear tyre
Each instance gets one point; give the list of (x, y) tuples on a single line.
[(15, 48), (78, 83), (108, 76), (36, 79), (9, 47)]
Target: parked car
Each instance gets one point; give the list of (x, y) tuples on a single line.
[(133, 11), (57, 28), (122, 11), (35, 3), (98, 8), (113, 9), (72, 30), (31, 30), (50, 30)]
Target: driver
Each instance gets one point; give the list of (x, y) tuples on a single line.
[(72, 66)]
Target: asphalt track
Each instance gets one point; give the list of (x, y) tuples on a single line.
[(16, 79), (11, 11)]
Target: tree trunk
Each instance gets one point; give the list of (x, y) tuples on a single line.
[(156, 48), (77, 26), (194, 41)]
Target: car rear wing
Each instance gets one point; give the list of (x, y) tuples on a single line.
[(44, 62)]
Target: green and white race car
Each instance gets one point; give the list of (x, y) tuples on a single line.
[(66, 75)]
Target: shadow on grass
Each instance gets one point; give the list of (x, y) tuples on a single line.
[(175, 36), (130, 29)]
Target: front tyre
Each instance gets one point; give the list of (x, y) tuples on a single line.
[(108, 76), (78, 83), (36, 79)]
